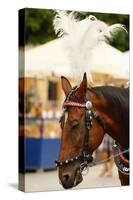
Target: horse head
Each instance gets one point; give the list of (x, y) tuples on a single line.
[(82, 133)]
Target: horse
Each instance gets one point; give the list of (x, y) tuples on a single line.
[(89, 113)]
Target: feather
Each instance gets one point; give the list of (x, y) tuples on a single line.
[(80, 37)]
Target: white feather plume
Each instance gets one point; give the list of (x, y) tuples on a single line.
[(80, 37)]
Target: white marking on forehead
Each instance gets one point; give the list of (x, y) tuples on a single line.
[(66, 116)]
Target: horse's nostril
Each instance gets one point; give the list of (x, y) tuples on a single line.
[(66, 177)]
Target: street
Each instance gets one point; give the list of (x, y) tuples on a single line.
[(45, 181)]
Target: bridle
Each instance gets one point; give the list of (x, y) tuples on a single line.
[(85, 157)]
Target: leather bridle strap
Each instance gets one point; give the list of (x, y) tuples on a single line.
[(74, 104), (88, 124), (85, 157), (90, 112)]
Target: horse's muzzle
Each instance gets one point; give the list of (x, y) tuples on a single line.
[(69, 180)]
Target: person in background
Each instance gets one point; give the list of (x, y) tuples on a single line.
[(105, 150)]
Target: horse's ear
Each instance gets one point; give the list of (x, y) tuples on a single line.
[(82, 88), (83, 85), (66, 86)]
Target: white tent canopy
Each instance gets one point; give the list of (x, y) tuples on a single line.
[(46, 59), (51, 57), (109, 60)]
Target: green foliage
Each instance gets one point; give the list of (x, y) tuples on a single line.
[(39, 28)]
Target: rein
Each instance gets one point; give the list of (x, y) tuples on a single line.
[(124, 169), (85, 157)]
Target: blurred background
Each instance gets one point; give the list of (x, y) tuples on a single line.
[(42, 62)]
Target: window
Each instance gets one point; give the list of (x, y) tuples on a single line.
[(52, 91)]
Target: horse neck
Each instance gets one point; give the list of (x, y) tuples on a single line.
[(112, 118)]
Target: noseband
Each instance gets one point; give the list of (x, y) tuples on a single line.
[(85, 157)]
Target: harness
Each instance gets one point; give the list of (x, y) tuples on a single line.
[(121, 161), (85, 157)]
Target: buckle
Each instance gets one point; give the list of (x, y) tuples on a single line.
[(88, 105)]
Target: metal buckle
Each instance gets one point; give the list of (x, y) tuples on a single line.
[(88, 105), (83, 168)]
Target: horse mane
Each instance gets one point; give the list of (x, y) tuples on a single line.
[(117, 97)]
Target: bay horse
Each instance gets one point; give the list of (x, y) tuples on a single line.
[(89, 113)]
